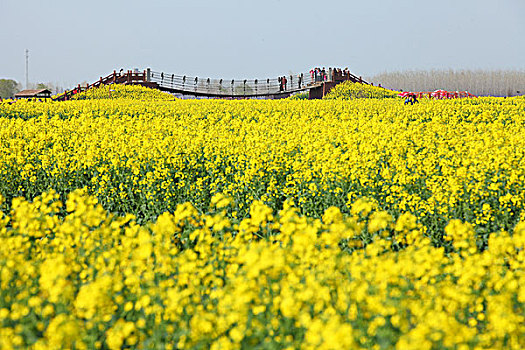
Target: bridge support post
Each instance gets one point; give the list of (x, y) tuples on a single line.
[(320, 91)]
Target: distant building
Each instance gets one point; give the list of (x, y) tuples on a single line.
[(39, 93)]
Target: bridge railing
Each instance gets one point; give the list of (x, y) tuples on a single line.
[(227, 87), (121, 77), (243, 87)]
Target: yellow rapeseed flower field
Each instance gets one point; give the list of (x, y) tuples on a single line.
[(140, 221), (113, 91), (351, 91)]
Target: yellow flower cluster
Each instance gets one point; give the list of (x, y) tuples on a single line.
[(90, 279), (350, 91), (112, 91)]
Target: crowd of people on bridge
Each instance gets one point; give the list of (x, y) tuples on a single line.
[(319, 75)]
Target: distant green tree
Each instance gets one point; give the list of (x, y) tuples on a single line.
[(8, 88), (42, 86)]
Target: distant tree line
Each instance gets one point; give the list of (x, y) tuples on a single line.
[(478, 82)]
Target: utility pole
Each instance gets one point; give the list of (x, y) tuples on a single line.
[(27, 69)]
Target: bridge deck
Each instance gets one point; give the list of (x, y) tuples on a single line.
[(222, 94)]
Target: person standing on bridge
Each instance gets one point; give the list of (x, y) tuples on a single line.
[(280, 79), (337, 74), (284, 82)]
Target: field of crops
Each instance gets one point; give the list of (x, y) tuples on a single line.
[(135, 221)]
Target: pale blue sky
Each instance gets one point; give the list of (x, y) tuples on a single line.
[(74, 41)]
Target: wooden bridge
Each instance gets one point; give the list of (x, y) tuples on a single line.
[(197, 87)]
